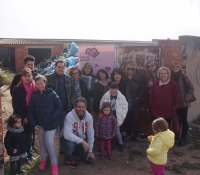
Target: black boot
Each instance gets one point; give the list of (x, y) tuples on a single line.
[(182, 142), (12, 168), (177, 136), (19, 170)]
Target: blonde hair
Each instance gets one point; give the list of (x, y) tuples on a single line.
[(130, 65), (25, 71), (159, 125), (164, 68)]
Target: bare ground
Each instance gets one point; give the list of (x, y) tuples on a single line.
[(184, 160)]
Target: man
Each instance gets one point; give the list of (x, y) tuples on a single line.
[(64, 87), (29, 62), (78, 123)]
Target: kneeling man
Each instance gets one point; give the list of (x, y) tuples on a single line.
[(78, 126)]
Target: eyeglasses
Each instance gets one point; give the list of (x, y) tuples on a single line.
[(150, 66), (75, 73), (131, 69), (176, 67)]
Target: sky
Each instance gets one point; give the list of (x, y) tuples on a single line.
[(137, 20)]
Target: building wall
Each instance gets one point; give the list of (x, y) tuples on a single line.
[(171, 50), (22, 50), (191, 56)]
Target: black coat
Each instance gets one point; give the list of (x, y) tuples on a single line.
[(137, 89), (99, 91), (84, 91), (19, 105), (15, 141), (44, 109)]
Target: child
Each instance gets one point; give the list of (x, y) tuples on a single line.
[(43, 114), (162, 140), (15, 143), (106, 129), (119, 107)]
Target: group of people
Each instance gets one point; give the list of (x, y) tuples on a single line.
[(82, 106)]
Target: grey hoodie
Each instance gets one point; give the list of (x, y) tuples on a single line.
[(75, 130)]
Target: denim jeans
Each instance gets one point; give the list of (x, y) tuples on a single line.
[(61, 123), (72, 148)]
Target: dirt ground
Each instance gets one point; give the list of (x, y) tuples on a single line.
[(184, 160)]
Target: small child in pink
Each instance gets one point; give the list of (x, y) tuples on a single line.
[(106, 129)]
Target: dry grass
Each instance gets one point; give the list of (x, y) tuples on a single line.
[(6, 77)]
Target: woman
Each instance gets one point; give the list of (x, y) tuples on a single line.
[(186, 90), (80, 86), (164, 96), (100, 88), (136, 86), (150, 76), (21, 96), (89, 80)]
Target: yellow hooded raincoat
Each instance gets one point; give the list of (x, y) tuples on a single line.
[(160, 144)]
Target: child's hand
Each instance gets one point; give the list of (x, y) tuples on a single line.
[(149, 138), (14, 151)]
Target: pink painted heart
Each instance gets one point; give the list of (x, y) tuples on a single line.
[(107, 69), (90, 52)]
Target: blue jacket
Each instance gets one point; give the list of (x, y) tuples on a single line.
[(44, 109)]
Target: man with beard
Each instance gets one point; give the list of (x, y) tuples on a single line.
[(78, 126)]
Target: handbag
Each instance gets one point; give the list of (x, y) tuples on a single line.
[(175, 123), (186, 89)]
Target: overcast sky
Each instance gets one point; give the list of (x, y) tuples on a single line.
[(141, 20)]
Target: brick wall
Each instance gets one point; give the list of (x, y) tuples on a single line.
[(171, 51), (21, 52)]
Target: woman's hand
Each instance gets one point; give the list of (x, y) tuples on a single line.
[(37, 128)]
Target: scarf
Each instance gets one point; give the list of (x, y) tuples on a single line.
[(77, 88), (29, 88), (15, 130)]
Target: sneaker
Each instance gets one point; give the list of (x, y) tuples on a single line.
[(54, 169), (72, 164), (42, 164), (21, 171), (110, 157), (101, 155), (121, 148)]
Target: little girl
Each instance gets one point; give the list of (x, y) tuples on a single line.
[(106, 129), (15, 143), (162, 140), (43, 114)]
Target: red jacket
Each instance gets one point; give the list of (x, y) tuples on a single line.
[(163, 98)]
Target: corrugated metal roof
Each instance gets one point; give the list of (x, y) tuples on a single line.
[(77, 41), (28, 42)]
